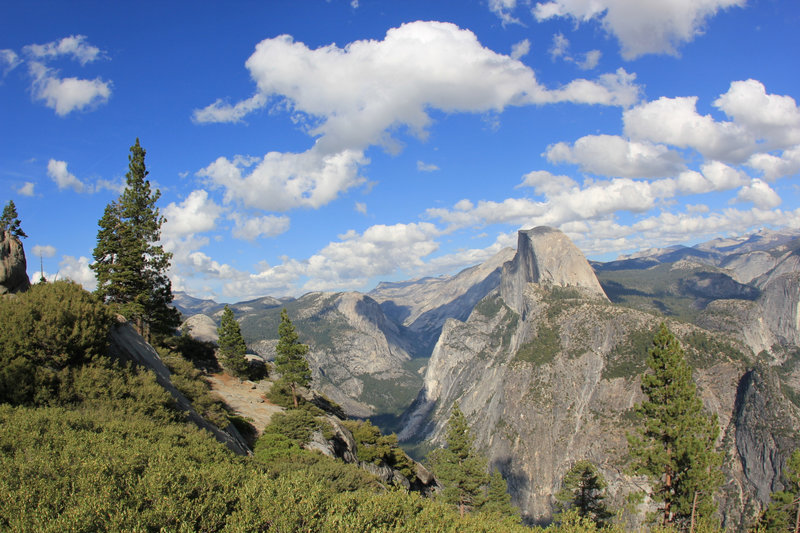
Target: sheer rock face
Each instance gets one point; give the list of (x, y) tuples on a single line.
[(13, 267), (546, 256), (547, 377)]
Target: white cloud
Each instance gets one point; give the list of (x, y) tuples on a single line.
[(426, 167), (252, 228), (760, 194), (361, 207), (610, 155), (590, 60), (330, 91), (547, 184), (65, 95), (9, 60), (196, 214), (57, 170), (77, 269), (26, 189), (503, 9), (773, 167), (74, 46), (675, 121), (774, 118), (642, 26), (560, 49), (283, 181), (520, 49), (560, 46), (44, 251), (117, 186), (220, 111)]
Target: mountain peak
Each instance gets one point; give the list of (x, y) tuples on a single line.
[(546, 256)]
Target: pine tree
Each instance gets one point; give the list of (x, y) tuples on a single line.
[(675, 447), (783, 512), (583, 489), (129, 264), (232, 348), (461, 471), (498, 500), (9, 221), (290, 360)]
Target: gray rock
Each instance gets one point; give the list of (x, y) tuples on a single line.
[(13, 266), (202, 328)]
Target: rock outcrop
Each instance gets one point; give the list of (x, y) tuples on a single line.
[(547, 376), (13, 266), (127, 345), (546, 256), (202, 328)]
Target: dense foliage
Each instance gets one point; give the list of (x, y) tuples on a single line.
[(44, 331), (290, 361), (583, 489), (232, 348), (130, 266), (675, 447), (9, 221)]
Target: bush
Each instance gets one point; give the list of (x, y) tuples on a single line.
[(51, 327)]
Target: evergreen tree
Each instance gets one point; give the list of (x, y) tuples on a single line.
[(675, 446), (583, 489), (9, 221), (461, 471), (231, 345), (290, 360), (783, 512), (498, 500), (129, 264)]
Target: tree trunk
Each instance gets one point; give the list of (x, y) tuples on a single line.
[(294, 395)]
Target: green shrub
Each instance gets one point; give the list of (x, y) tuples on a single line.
[(43, 331)]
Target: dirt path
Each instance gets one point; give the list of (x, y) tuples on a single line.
[(245, 398)]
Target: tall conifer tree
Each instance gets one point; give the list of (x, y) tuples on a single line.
[(583, 489), (675, 446), (129, 264), (458, 467), (9, 221), (232, 347), (290, 360)]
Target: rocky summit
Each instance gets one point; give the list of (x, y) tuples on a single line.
[(544, 353)]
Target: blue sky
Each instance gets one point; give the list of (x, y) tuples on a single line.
[(328, 145)]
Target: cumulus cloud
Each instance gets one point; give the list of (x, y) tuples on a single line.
[(9, 60), (330, 91), (65, 95), (773, 167), (349, 262), (196, 214), (44, 250), (771, 117), (675, 121), (560, 50), (426, 167), (504, 9), (77, 269), (250, 229), (283, 181), (610, 155), (760, 194), (26, 189), (641, 27), (520, 49), (57, 170), (75, 46)]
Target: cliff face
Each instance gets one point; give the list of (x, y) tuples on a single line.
[(547, 257), (548, 371), (13, 266)]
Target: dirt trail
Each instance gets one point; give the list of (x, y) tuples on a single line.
[(245, 398)]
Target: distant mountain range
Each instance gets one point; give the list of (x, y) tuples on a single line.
[(543, 351)]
